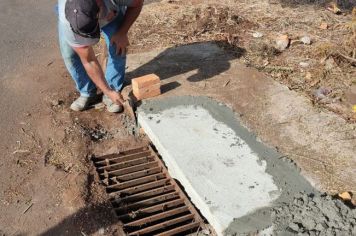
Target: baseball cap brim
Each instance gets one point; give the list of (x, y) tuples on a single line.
[(85, 41)]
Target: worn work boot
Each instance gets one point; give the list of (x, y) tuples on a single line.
[(110, 106), (83, 103)]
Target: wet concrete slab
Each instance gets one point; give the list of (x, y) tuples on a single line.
[(233, 179)]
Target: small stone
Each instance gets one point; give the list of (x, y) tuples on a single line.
[(282, 42), (345, 196), (142, 131), (330, 64), (322, 93), (265, 62), (353, 201), (324, 26), (308, 76), (68, 167), (294, 227), (305, 198), (319, 227), (304, 64), (306, 40), (257, 35), (354, 108), (309, 223), (295, 42), (55, 103), (312, 233), (333, 7)]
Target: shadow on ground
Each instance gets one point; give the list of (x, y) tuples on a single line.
[(86, 221), (201, 57), (208, 60)]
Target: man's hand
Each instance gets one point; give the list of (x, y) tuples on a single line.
[(120, 39), (116, 97), (121, 42)]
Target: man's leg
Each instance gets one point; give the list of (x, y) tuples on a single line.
[(84, 85), (115, 68)]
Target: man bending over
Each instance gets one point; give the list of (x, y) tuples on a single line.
[(80, 23)]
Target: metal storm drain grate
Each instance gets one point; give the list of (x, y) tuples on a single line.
[(145, 198)]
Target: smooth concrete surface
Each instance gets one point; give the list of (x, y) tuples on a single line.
[(223, 176)]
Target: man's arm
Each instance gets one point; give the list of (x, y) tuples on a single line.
[(95, 72), (120, 38), (132, 12)]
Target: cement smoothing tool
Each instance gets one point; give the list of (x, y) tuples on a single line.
[(233, 179)]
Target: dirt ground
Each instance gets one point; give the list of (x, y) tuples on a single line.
[(48, 185), (304, 68)]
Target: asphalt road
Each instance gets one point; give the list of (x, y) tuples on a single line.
[(28, 42), (27, 28)]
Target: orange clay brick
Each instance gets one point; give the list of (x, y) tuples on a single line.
[(147, 92), (145, 81)]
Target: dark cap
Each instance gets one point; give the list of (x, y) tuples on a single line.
[(83, 18)]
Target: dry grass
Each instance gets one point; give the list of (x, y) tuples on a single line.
[(344, 4), (164, 25), (329, 57)]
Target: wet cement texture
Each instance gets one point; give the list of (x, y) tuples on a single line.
[(312, 215), (206, 156), (299, 209)]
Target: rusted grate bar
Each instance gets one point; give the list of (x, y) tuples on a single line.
[(145, 198), (150, 201), (139, 188), (116, 166), (129, 170), (151, 210), (180, 229), (142, 180), (163, 225), (135, 175), (140, 196), (122, 155), (159, 216)]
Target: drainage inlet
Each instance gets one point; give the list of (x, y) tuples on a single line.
[(145, 198)]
